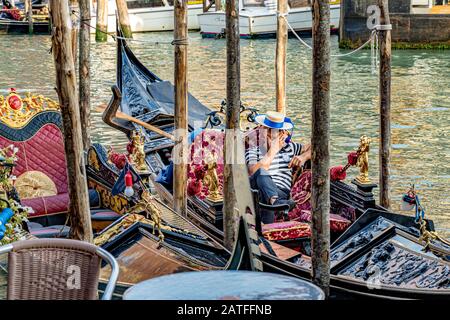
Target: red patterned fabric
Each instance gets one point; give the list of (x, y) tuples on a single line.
[(301, 194), (206, 145), (43, 152), (47, 205), (288, 230)]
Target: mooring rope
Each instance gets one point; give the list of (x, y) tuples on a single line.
[(373, 40), (180, 42)]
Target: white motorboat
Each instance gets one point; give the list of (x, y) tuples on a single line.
[(258, 18)]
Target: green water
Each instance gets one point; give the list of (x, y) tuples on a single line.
[(420, 99)]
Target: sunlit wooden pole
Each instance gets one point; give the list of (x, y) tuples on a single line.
[(218, 4), (124, 18), (181, 111), (280, 64), (384, 37), (75, 17), (102, 21), (84, 72), (29, 12), (232, 119), (320, 140), (79, 214)]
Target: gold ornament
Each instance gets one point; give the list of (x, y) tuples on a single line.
[(211, 180), (17, 112), (137, 155), (363, 159)]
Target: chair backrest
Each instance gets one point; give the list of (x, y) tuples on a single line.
[(55, 269)]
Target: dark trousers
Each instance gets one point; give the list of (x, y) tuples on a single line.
[(262, 181)]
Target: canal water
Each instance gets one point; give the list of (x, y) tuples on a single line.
[(420, 99)]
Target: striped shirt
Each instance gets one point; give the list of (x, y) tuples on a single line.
[(279, 171)]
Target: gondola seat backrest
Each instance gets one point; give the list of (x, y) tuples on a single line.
[(206, 147), (33, 125)]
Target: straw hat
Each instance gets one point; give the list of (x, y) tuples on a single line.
[(274, 120)]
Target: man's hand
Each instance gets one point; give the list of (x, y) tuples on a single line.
[(278, 142), (297, 161)]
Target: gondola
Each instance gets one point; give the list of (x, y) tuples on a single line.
[(377, 239), (12, 21), (32, 126), (145, 249)]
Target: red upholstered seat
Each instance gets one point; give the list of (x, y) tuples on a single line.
[(288, 230), (206, 146), (301, 194), (44, 152)]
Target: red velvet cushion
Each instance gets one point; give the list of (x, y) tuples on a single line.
[(286, 230), (47, 205), (43, 152), (209, 142), (301, 194)]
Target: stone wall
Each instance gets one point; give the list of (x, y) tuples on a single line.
[(408, 30)]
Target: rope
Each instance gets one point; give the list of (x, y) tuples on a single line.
[(180, 42), (372, 37)]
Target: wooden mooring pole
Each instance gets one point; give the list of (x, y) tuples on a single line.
[(124, 18), (75, 17), (218, 5), (320, 193), (384, 36), (101, 32), (280, 64), (29, 11), (84, 72), (181, 111), (79, 214), (232, 119)]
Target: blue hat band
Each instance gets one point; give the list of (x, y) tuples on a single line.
[(272, 124)]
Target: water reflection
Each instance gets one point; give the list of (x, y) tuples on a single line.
[(420, 98)]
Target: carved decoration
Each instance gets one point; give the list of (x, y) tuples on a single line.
[(17, 112)]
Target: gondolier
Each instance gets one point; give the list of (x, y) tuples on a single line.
[(271, 158)]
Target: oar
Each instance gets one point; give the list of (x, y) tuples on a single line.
[(124, 116)]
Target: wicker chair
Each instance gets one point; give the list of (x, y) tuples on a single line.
[(56, 269)]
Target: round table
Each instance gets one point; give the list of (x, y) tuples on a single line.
[(224, 285)]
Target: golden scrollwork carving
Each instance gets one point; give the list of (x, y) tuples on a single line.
[(16, 111), (93, 160)]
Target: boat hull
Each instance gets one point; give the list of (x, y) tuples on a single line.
[(262, 23), (21, 27), (152, 19)]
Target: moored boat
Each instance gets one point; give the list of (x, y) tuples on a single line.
[(13, 19), (153, 15), (392, 239), (259, 19)]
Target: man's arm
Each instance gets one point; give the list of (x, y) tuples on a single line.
[(300, 160)]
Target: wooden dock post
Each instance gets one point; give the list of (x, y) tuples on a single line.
[(181, 111), (29, 12), (232, 119), (384, 36), (218, 4), (79, 214), (124, 18), (320, 140), (75, 17), (102, 21), (84, 72), (280, 64)]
